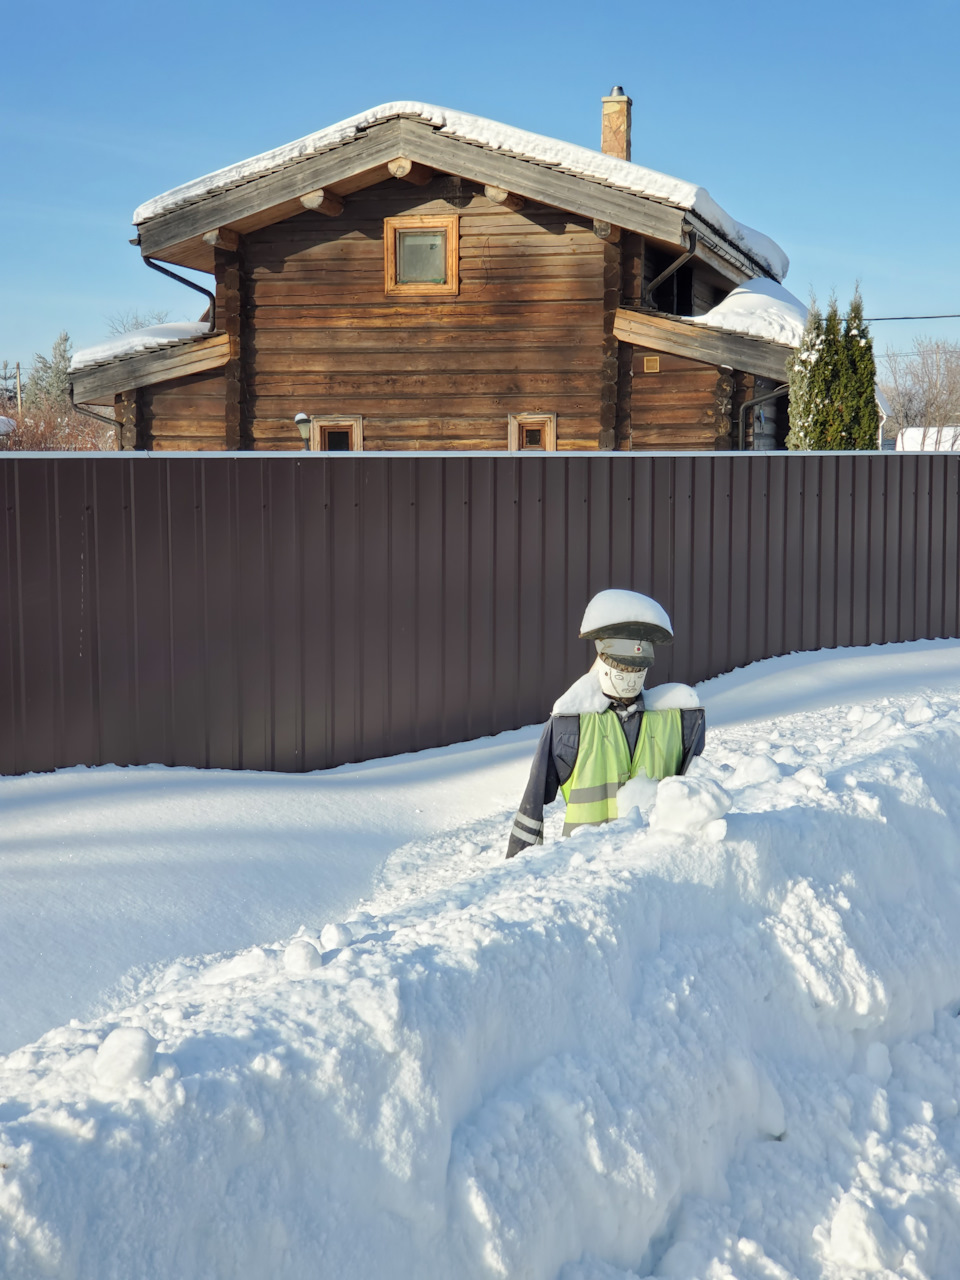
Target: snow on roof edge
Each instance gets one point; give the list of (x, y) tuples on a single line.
[(151, 338), (759, 308), (535, 147)]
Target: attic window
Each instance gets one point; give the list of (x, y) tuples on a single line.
[(422, 255), (532, 432)]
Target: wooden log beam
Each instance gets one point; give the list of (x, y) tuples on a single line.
[(222, 238), (249, 200), (606, 231), (91, 385), (321, 201), (506, 199), (542, 183), (410, 171), (698, 342)]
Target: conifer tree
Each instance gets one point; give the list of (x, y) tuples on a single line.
[(865, 413), (829, 381), (831, 377), (49, 380), (799, 378)]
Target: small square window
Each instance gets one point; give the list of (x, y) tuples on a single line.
[(421, 255), (532, 432), (336, 439), (336, 434), (651, 364)]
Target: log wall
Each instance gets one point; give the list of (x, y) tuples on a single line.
[(525, 334), (187, 413)]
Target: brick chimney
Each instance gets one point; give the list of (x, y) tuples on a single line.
[(615, 129)]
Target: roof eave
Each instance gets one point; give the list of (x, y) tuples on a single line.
[(99, 383), (706, 343), (177, 236)]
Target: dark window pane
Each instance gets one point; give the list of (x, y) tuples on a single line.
[(422, 257), (337, 440), (532, 438)]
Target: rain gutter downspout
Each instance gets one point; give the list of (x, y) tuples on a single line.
[(155, 266), (775, 394), (89, 413)]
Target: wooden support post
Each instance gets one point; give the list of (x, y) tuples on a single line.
[(726, 384), (229, 270), (504, 198), (410, 171), (126, 409), (610, 362), (322, 202), (222, 238)]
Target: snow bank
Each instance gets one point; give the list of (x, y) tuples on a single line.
[(928, 439), (760, 309), (152, 863), (718, 1043), (497, 137), (150, 338)]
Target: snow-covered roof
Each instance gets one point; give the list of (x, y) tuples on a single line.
[(929, 439), (138, 341), (759, 309), (564, 156)]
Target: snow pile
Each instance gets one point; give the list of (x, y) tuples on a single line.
[(150, 338), (928, 439), (720, 1042), (581, 161), (760, 309), (7, 426)]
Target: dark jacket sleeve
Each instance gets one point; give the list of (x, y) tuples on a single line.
[(694, 724), (552, 765)]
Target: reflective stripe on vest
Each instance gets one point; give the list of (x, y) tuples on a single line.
[(603, 762)]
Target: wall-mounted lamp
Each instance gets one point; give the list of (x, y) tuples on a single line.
[(302, 421)]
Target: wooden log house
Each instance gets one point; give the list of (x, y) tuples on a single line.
[(418, 279)]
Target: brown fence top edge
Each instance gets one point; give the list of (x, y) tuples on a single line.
[(386, 454)]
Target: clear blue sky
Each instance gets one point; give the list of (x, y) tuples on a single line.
[(832, 127)]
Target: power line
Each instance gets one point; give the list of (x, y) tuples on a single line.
[(876, 319)]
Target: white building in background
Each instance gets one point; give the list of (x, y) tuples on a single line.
[(929, 439)]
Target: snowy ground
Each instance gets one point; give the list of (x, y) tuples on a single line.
[(716, 1041)]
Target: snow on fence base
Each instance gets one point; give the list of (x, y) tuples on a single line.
[(299, 612)]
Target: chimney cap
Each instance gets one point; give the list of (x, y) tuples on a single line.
[(616, 92)]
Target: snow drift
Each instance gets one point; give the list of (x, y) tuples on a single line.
[(759, 309), (719, 1041)]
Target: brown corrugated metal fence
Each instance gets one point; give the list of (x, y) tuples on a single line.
[(300, 612)]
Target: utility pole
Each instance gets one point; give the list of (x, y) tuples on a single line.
[(19, 393)]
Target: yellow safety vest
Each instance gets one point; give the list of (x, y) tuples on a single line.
[(603, 762)]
